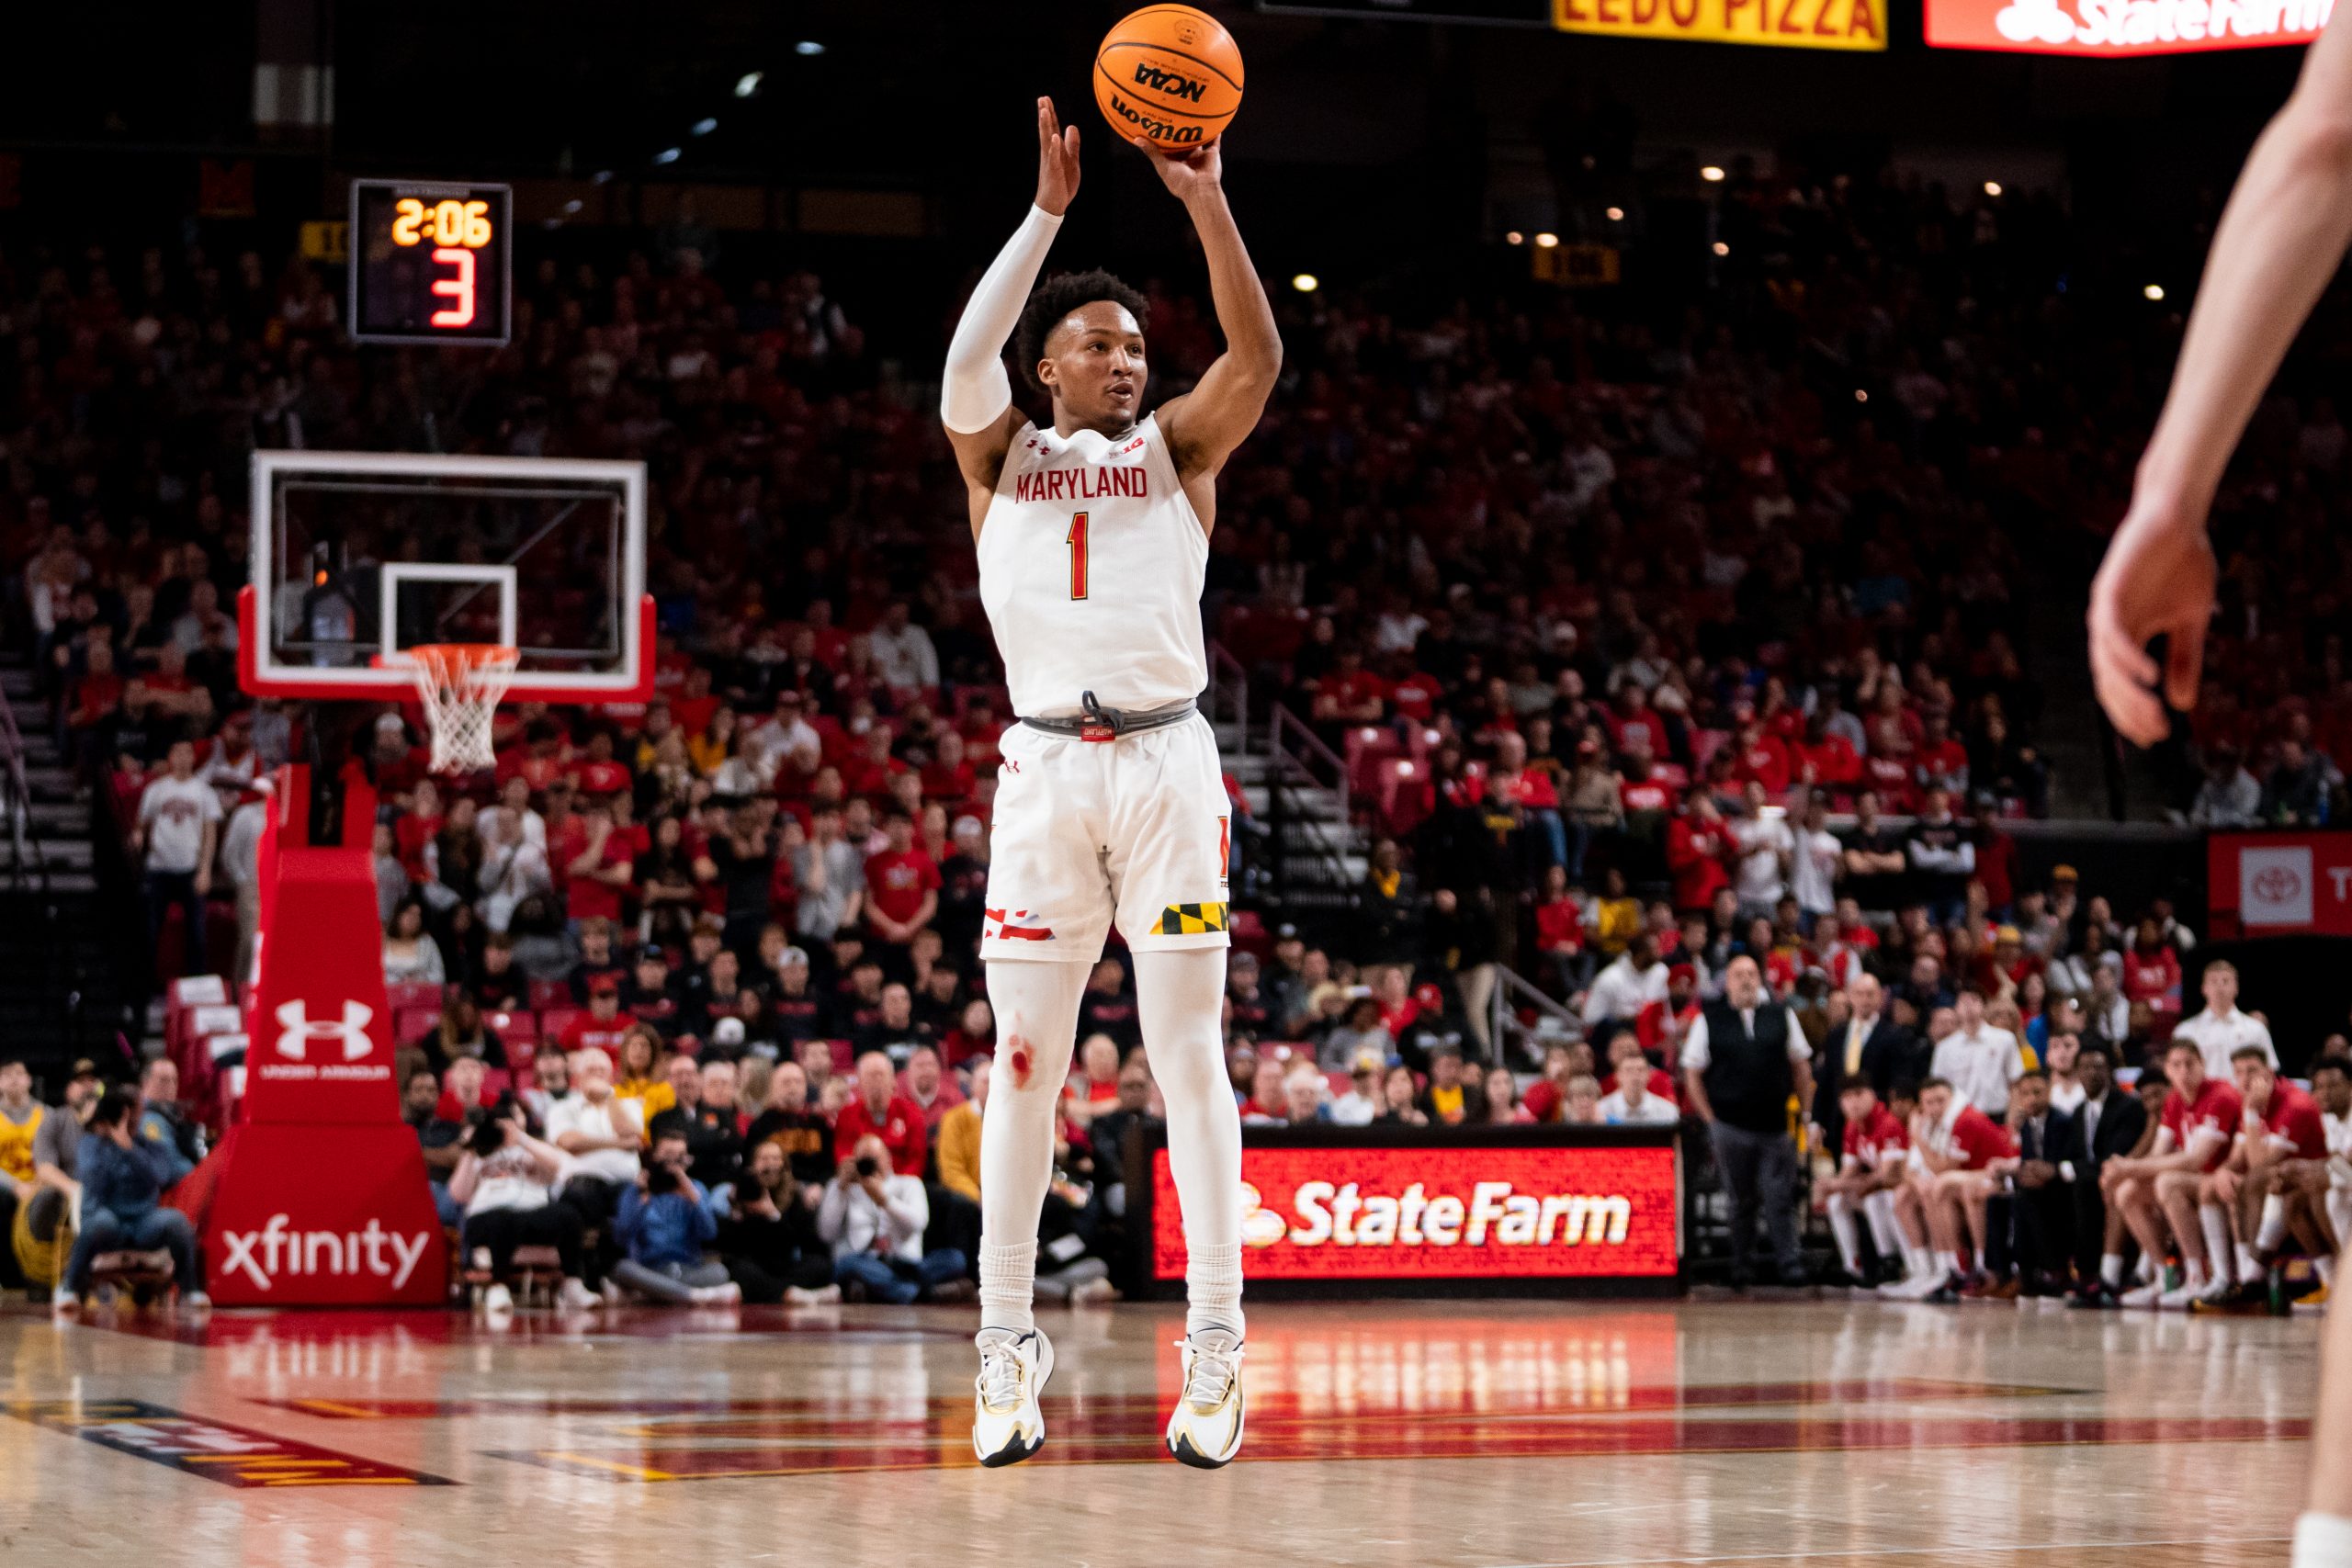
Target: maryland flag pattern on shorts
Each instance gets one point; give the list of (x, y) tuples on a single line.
[(1192, 919)]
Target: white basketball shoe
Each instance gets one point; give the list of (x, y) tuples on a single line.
[(1205, 1429), (1007, 1424)]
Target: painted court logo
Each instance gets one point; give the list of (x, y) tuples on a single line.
[(278, 1252), (299, 1029)]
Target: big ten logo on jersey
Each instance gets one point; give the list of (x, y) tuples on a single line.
[(343, 1034)]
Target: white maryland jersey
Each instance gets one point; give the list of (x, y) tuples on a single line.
[(1092, 564)]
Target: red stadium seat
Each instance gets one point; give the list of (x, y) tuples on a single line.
[(545, 994), (415, 994), (511, 1027), (844, 1055), (412, 1024), (521, 1056), (553, 1021)]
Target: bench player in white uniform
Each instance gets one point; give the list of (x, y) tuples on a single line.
[(1094, 544)]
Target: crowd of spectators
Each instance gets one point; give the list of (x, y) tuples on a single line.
[(1675, 642)]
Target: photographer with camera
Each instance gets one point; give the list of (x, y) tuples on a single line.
[(504, 1180), (875, 1220), (665, 1222), (768, 1239)]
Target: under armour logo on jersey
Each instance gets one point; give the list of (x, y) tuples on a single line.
[(300, 1029), (1013, 765)]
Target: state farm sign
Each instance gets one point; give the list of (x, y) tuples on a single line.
[(1442, 1211), (2121, 27)]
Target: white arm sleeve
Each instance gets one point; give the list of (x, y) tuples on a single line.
[(975, 389)]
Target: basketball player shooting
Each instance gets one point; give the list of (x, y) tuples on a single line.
[(1092, 535), (2279, 242)]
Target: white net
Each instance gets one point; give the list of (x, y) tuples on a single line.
[(460, 685)]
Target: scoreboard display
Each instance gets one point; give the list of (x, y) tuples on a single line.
[(431, 262)]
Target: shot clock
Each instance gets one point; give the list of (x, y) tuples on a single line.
[(430, 262)]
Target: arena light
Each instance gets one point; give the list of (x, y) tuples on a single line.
[(2153, 292), (1991, 187), (748, 84), (1861, 395), (669, 154), (807, 48), (1721, 249), (603, 177), (1546, 241), (573, 206), (1712, 174), (704, 125), (1306, 282), (1514, 238), (1616, 215)]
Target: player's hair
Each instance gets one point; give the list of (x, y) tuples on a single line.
[(1056, 299), (2220, 964), (2183, 1042), (2250, 1054), (1935, 1083), (1857, 1085), (2042, 1073), (2325, 1065)]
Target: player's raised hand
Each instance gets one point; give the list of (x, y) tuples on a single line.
[(1057, 160), (2157, 579), (1201, 169)]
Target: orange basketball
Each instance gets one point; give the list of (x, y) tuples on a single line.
[(1171, 73)]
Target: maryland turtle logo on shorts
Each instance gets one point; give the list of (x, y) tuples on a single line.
[(1192, 919)]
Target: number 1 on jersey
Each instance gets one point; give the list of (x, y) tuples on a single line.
[(1078, 556)]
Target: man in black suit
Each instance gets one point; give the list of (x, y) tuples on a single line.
[(1869, 1047), (2108, 1125), (2041, 1210)]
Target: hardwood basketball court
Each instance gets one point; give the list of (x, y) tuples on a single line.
[(1503, 1436)]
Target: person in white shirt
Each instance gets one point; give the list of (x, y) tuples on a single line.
[(781, 734), (178, 827), (1767, 853), (1362, 1102), (875, 1220), (241, 862), (1977, 1059), (2332, 1086), (597, 1128), (1818, 860), (903, 654), (1636, 979), (2219, 1030), (1632, 1104)]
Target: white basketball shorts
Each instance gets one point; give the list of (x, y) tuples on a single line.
[(1088, 832)]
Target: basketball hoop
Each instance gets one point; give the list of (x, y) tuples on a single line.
[(459, 683)]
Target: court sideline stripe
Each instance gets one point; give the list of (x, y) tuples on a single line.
[(1939, 1554)]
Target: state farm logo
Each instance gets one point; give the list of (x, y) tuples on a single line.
[(278, 1252), (1173, 84), (1345, 1216), (2140, 24), (299, 1029)]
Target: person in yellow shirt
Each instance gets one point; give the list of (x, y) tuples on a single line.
[(959, 1138), (20, 1119), (1616, 915), (643, 1076)]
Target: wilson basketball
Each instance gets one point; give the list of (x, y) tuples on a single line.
[(1169, 73)]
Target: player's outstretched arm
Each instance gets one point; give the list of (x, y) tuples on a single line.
[(975, 395), (1207, 423), (2285, 230)]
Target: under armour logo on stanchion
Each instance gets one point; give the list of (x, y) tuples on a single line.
[(300, 1029)]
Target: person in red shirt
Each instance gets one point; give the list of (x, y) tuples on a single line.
[(2164, 1189), (602, 867), (2276, 1183), (901, 893), (1763, 758), (1412, 695), (1349, 694), (1941, 761), (1869, 1172), (878, 1107), (2152, 970), (1559, 931), (602, 1027), (596, 773), (1634, 727), (1661, 1025), (948, 777), (1698, 845), (1962, 1155), (1825, 759), (1627, 1055)]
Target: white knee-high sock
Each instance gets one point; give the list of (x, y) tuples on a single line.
[(2323, 1540), (1180, 998), (1036, 1026), (1842, 1226), (2220, 1254), (1878, 1209)]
